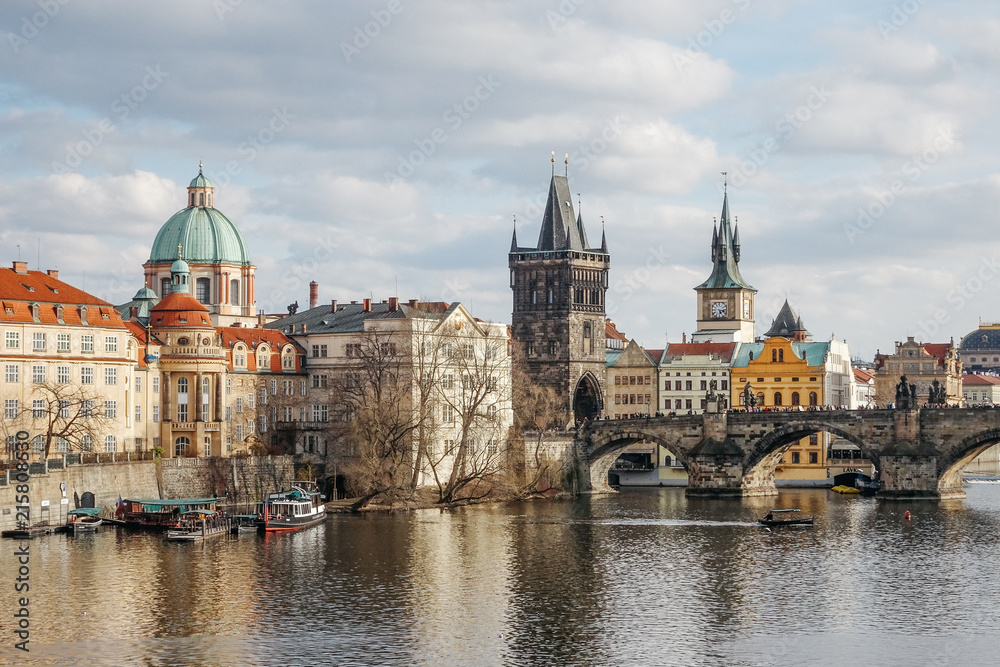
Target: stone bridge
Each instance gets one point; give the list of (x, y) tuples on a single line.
[(917, 453)]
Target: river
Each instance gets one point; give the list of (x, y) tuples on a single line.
[(644, 577)]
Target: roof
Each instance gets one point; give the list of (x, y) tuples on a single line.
[(786, 324), (725, 255), (562, 228), (57, 302), (180, 309), (351, 317), (200, 181), (203, 233), (981, 339), (979, 380), (174, 501), (253, 338), (939, 350), (611, 331), (863, 376), (723, 351), (814, 353)]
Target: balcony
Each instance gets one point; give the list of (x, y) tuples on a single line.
[(191, 426)]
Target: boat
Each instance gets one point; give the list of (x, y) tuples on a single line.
[(298, 507), (83, 519), (161, 514), (846, 490), (243, 523), (199, 524), (771, 520)]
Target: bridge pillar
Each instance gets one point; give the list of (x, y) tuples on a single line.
[(715, 469), (912, 477)]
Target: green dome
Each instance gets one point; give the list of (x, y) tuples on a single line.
[(204, 235), (200, 181)]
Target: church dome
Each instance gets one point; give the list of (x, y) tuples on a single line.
[(984, 338), (202, 233)]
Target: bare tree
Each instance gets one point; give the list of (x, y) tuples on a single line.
[(374, 424), (65, 417)]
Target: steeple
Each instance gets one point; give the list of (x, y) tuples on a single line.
[(513, 238), (604, 238), (725, 254), (788, 324)]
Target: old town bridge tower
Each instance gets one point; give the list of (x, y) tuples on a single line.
[(558, 320)]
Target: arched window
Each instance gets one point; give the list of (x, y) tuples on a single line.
[(201, 199), (192, 199), (760, 399), (781, 355), (774, 355), (795, 398), (181, 445), (263, 360), (813, 399), (203, 288), (777, 398), (182, 386), (208, 445), (182, 400), (234, 292)]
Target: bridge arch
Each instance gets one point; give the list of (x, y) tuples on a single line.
[(954, 460), (607, 447)]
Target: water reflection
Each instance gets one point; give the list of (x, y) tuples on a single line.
[(643, 577)]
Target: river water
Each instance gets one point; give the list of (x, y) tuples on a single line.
[(644, 577)]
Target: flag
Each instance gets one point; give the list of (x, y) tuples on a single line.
[(120, 508)]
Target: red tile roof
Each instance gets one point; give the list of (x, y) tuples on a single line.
[(58, 302), (980, 380), (180, 309), (611, 331), (252, 338), (723, 351), (862, 375), (939, 350)]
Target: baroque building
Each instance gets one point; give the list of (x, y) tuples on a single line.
[(923, 364), (558, 320)]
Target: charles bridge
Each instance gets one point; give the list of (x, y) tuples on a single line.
[(917, 453)]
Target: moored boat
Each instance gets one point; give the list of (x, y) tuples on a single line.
[(771, 520), (293, 509), (83, 519), (160, 514), (198, 524)]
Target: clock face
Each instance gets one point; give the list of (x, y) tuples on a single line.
[(719, 309)]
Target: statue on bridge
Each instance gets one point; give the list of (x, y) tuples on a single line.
[(906, 395), (714, 399), (749, 398), (938, 394)]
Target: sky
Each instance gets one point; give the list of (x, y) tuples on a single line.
[(386, 148)]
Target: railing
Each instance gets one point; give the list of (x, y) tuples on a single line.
[(630, 466), (191, 350)]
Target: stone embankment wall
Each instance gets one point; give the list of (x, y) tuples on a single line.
[(242, 481)]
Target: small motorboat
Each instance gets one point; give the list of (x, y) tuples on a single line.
[(83, 519), (785, 519)]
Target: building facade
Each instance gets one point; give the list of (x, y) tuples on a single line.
[(558, 319), (631, 382), (687, 372), (923, 364)]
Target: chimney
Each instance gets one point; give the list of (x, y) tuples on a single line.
[(684, 338), (313, 294), (20, 267), (333, 306), (133, 311), (367, 305), (413, 303), (53, 273), (393, 303)]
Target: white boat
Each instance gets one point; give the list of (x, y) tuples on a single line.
[(296, 508), (84, 519)]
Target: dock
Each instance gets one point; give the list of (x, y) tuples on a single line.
[(32, 532)]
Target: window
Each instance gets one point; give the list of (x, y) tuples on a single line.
[(156, 385), (38, 342), (777, 398), (110, 375), (319, 381), (262, 398), (288, 413), (86, 443), (62, 342), (229, 413), (239, 404), (288, 361), (62, 374), (302, 387), (63, 409), (156, 413), (552, 347), (704, 385), (319, 350), (250, 401), (62, 445), (274, 387), (250, 427), (263, 360), (288, 387), (38, 374), (38, 443), (181, 445), (240, 360), (447, 381), (13, 373), (795, 457), (164, 287), (239, 432), (814, 439), (87, 375), (262, 423), (111, 409), (11, 408), (687, 385), (234, 295), (138, 412), (38, 408), (203, 288), (813, 457), (110, 444), (182, 412), (448, 414), (87, 408), (812, 398), (110, 344), (795, 398), (13, 339), (87, 343)]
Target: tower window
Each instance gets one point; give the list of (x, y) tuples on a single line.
[(201, 199), (203, 287), (164, 287), (234, 292)]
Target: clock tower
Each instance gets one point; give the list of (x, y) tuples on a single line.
[(725, 300)]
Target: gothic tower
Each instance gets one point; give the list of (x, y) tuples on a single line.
[(725, 300), (559, 319)]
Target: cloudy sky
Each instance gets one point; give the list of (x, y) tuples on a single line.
[(384, 148)]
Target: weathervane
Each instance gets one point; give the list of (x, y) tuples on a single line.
[(725, 182)]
